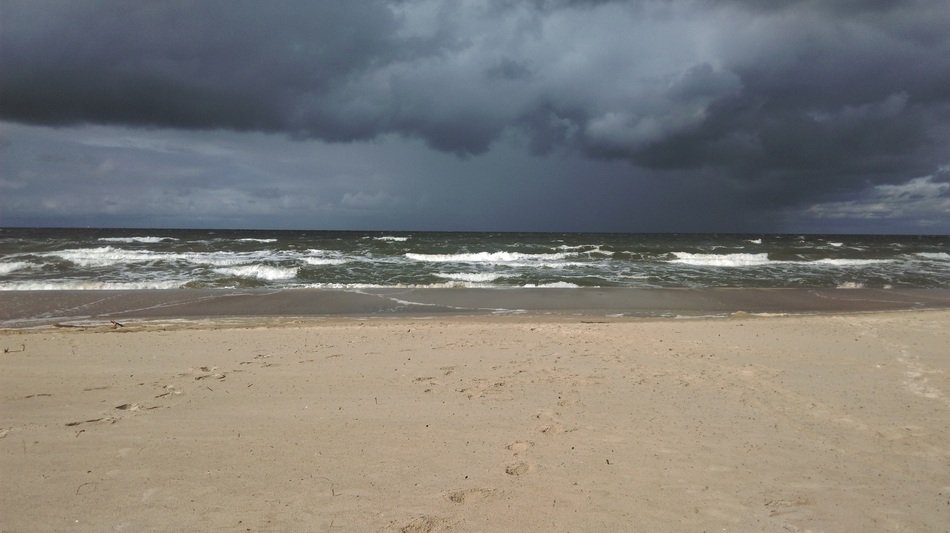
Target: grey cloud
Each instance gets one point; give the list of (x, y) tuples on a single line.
[(211, 64), (922, 202), (790, 99)]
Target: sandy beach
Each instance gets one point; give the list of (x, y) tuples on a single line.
[(831, 422)]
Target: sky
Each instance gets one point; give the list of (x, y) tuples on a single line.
[(750, 116)]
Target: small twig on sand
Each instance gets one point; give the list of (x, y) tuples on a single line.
[(116, 324)]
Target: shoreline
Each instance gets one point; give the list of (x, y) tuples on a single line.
[(20, 309)]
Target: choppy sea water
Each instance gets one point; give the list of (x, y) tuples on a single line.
[(37, 259)]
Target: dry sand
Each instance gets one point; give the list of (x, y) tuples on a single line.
[(810, 423)]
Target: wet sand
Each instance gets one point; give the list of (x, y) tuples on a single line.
[(32, 308), (563, 421)]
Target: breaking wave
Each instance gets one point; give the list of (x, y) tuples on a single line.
[(146, 240), (264, 272), (6, 268), (470, 277), (755, 260), (89, 285), (721, 260), (484, 257)]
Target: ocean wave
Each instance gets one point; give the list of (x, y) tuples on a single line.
[(147, 239), (754, 260), (220, 259), (850, 285), (89, 285), (552, 285), (484, 257), (836, 244), (721, 260), (250, 239), (6, 268), (937, 256), (471, 277), (322, 261), (391, 238), (104, 256), (584, 248), (359, 286), (264, 272), (848, 262)]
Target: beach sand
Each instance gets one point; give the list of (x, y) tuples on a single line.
[(828, 422)]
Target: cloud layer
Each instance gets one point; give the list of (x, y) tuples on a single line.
[(791, 101)]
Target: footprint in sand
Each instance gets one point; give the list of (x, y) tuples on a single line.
[(794, 509), (517, 469), (550, 423), (105, 419), (170, 390), (520, 446), (469, 495), (425, 524)]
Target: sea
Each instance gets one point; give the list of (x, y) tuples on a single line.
[(143, 259)]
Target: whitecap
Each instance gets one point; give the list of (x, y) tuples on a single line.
[(850, 262), (483, 257), (552, 285), (721, 260), (391, 238), (104, 256), (264, 272), (755, 241), (322, 261), (850, 285), (836, 244), (6, 268), (147, 239), (89, 285), (937, 256), (249, 239), (471, 277)]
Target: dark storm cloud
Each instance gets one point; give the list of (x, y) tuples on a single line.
[(209, 64), (792, 99)]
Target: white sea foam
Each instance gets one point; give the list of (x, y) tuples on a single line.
[(249, 239), (755, 241), (107, 256), (88, 285), (104, 256), (358, 286), (553, 285), (323, 261), (6, 268), (836, 244), (147, 239), (471, 277), (484, 257), (584, 249), (721, 260), (937, 256), (265, 272), (754, 260), (850, 262), (850, 285), (391, 238)]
